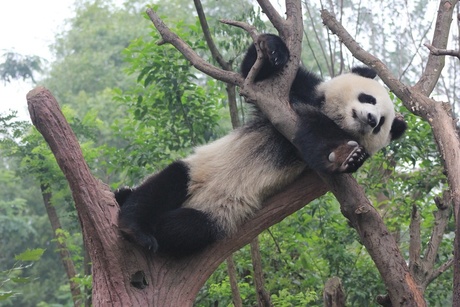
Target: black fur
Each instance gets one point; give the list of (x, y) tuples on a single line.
[(151, 214)]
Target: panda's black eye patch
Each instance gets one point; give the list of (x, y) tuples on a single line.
[(365, 98)]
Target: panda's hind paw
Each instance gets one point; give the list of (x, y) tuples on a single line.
[(275, 50), (146, 240), (348, 157)]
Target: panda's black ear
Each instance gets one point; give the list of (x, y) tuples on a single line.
[(398, 127), (364, 71)]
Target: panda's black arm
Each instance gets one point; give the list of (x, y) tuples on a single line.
[(324, 146)]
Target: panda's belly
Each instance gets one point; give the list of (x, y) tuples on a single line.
[(230, 178)]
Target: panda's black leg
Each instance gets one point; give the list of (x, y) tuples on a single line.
[(185, 231), (275, 53), (141, 207)]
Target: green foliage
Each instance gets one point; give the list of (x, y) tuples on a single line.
[(285, 299), (171, 109), (9, 279)]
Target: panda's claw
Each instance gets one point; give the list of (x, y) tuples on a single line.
[(347, 158), (354, 160), (275, 52), (331, 157)]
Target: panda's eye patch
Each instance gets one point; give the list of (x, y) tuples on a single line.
[(365, 98), (377, 128)]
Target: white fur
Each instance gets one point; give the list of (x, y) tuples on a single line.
[(230, 180), (341, 96)]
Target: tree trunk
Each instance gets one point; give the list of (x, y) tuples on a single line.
[(333, 294)]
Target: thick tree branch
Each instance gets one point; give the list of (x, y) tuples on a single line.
[(379, 242)]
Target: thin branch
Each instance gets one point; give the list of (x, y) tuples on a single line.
[(169, 37), (231, 88), (441, 219), (435, 274), (415, 240), (208, 37), (243, 25), (272, 14), (440, 52), (231, 270), (435, 64)]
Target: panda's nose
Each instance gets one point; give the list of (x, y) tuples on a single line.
[(371, 120)]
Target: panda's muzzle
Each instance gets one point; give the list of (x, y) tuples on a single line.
[(371, 120)]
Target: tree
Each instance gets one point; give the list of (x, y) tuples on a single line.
[(17, 66), (401, 285)]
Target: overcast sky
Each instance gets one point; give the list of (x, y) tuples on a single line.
[(28, 27)]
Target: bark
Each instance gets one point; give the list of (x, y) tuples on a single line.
[(333, 294), (379, 242), (123, 274)]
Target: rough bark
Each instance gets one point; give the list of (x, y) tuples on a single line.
[(333, 294), (123, 274)]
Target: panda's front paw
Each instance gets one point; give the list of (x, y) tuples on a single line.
[(274, 50), (348, 157)]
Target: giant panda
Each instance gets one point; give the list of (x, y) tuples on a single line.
[(206, 196)]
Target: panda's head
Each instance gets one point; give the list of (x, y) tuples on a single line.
[(361, 106)]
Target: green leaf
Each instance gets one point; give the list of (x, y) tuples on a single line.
[(21, 280), (30, 255), (5, 295)]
